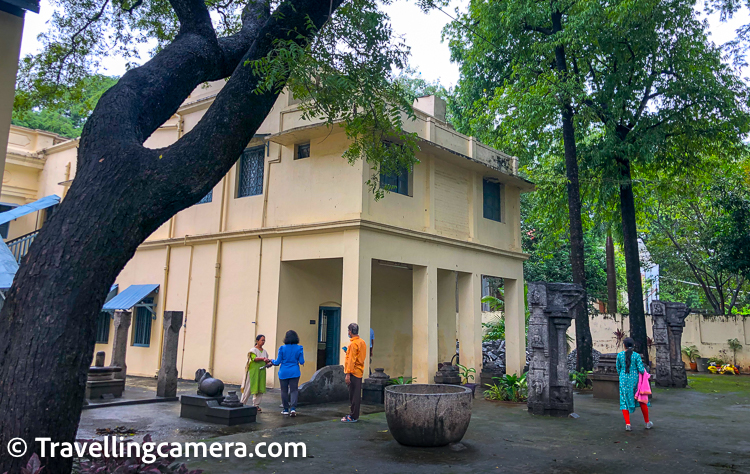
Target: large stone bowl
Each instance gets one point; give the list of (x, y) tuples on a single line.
[(427, 415)]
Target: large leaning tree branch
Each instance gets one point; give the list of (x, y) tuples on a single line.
[(122, 193)]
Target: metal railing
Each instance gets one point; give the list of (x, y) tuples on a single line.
[(20, 245)]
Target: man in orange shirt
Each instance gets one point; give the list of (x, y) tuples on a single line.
[(354, 368)]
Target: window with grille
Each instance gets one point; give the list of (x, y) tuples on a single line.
[(251, 172), (491, 203), (207, 198), (398, 183), (142, 329), (303, 151), (102, 327), (5, 227)]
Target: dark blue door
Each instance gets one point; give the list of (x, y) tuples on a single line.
[(329, 333)]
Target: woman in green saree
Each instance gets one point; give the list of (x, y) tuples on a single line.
[(255, 373)]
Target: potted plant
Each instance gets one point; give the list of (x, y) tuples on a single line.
[(692, 354), (467, 374)]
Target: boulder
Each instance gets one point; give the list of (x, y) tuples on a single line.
[(326, 385)]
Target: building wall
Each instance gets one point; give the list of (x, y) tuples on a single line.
[(145, 267), (391, 319), (708, 334), (11, 30), (60, 165), (237, 300)]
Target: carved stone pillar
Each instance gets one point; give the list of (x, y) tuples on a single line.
[(120, 342), (166, 385), (550, 391), (669, 321)]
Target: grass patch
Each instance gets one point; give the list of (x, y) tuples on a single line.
[(710, 383)]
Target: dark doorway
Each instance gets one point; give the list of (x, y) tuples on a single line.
[(329, 327)]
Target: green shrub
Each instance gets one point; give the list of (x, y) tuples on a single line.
[(510, 388)]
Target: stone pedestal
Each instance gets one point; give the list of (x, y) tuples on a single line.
[(669, 321), (488, 374), (101, 381), (166, 385), (448, 374), (120, 342), (551, 304), (605, 378), (373, 388), (211, 410)]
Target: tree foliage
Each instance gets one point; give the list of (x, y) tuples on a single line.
[(690, 228), (646, 85), (68, 116)]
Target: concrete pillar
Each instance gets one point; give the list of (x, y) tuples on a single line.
[(267, 317), (515, 331), (470, 320), (120, 342), (11, 30), (424, 356), (446, 294), (356, 294), (166, 385)]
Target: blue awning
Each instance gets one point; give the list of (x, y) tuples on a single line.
[(8, 266), (38, 205), (130, 297), (112, 292)]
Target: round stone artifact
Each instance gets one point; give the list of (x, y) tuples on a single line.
[(211, 387), (427, 415)]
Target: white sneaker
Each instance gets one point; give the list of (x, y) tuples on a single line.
[(293, 413), (649, 425), (627, 428), (286, 412)]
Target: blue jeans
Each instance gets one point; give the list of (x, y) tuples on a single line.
[(289, 388)]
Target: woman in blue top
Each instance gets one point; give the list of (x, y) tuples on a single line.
[(290, 357), (629, 366)]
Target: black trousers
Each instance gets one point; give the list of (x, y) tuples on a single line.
[(289, 389), (355, 396)]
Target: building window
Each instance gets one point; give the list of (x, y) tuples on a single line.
[(5, 227), (207, 198), (251, 172), (491, 201), (303, 151), (142, 329), (102, 327), (398, 183), (49, 211)]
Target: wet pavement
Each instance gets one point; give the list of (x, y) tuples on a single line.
[(695, 431), (162, 420)]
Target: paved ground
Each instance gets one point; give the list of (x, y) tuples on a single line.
[(705, 429)]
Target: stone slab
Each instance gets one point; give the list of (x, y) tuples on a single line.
[(606, 386), (98, 388)]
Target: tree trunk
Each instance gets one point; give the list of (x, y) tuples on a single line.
[(632, 261), (584, 343), (121, 194), (611, 275)]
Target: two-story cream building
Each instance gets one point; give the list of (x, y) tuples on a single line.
[(292, 238)]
